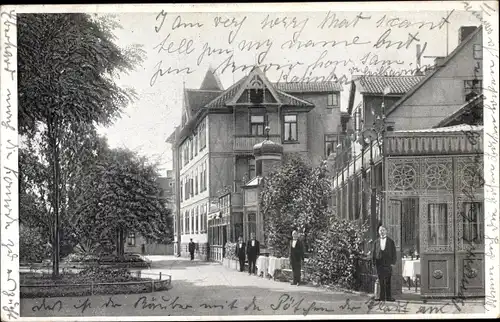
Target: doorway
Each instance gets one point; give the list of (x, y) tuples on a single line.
[(403, 226)]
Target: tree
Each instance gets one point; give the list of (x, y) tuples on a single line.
[(295, 197), (119, 193), (68, 64)]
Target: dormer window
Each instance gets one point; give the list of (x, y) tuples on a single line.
[(256, 91), (333, 100), (256, 96)]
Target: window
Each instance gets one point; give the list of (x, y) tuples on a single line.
[(197, 220), (196, 183), (251, 225), (472, 88), (251, 168), (477, 51), (290, 127), (181, 188), (195, 141), (202, 135), (257, 125), (256, 95), (256, 92), (437, 222), (202, 216), (333, 100), (472, 219), (131, 239), (186, 153), (203, 178), (191, 224), (191, 189), (330, 144), (186, 189), (191, 148)]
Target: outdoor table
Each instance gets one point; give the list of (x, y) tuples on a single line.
[(277, 263), (262, 265), (411, 269)]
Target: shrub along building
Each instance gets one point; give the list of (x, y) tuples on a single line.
[(214, 157), (416, 167)]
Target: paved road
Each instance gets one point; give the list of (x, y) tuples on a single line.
[(209, 289)]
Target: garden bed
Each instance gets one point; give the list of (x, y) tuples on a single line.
[(127, 261), (92, 281)]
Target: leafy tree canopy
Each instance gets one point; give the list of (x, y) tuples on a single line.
[(295, 197), (120, 192), (68, 64)]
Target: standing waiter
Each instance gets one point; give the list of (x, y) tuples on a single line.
[(253, 251), (296, 257), (384, 257), (240, 253)]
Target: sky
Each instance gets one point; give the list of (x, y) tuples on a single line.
[(289, 43)]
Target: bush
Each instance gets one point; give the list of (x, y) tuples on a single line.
[(336, 252), (230, 250), (32, 247), (105, 274)]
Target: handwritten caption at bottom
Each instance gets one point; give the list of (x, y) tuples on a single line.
[(286, 304)]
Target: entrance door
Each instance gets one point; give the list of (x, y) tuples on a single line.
[(393, 225), (437, 236), (470, 277)]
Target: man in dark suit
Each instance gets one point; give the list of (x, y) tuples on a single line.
[(384, 257), (253, 251), (240, 253), (191, 248), (296, 257)]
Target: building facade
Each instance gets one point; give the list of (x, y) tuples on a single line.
[(213, 149), (417, 169)]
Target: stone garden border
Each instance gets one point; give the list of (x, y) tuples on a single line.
[(103, 288)]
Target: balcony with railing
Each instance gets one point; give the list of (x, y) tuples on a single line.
[(245, 143)]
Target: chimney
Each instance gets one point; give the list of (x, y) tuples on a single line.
[(464, 32)]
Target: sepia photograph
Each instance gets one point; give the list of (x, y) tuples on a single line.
[(249, 161)]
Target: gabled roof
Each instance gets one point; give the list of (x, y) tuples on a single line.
[(220, 101), (398, 85), (234, 91), (211, 81), (308, 87), (197, 98), (255, 73), (431, 74)]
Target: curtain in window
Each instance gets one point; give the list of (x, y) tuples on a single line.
[(472, 219), (438, 224)]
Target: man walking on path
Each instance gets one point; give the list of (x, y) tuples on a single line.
[(296, 257), (253, 251), (191, 249), (384, 257), (240, 253)]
